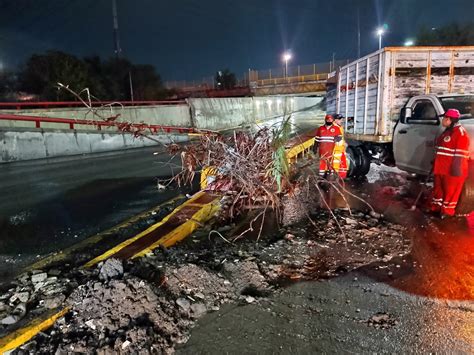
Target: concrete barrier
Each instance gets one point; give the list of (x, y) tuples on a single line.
[(19, 145), (228, 113)]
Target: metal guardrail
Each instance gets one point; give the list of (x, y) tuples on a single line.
[(53, 104), (266, 77), (121, 126), (290, 80)]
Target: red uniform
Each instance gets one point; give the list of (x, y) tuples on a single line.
[(325, 138), (450, 169)]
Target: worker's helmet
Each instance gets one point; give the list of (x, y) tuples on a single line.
[(453, 114), (338, 117), (329, 117)]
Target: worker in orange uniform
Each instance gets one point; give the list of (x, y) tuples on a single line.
[(340, 159), (325, 141), (450, 168)]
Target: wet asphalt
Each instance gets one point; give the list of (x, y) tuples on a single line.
[(334, 316), (49, 205), (421, 304)]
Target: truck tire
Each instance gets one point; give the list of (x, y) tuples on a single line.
[(359, 161), (364, 160), (352, 161), (466, 200)]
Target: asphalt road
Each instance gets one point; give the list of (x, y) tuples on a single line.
[(418, 303), (334, 316), (49, 205)]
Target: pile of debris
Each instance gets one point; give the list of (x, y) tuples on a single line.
[(250, 169), (36, 290), (150, 304)]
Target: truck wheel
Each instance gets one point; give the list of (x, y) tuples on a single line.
[(466, 201), (364, 159), (352, 161)]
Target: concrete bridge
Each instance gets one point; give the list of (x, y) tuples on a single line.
[(294, 80)]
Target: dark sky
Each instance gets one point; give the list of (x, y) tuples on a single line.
[(191, 39)]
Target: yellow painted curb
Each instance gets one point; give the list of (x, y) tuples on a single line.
[(179, 233), (22, 335), (95, 238), (205, 173), (206, 211), (299, 148), (124, 244)]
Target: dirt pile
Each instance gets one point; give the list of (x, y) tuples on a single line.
[(150, 304), (130, 314)]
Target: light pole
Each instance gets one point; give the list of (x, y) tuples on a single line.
[(286, 57), (380, 31)]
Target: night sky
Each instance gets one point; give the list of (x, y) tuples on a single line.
[(191, 39)]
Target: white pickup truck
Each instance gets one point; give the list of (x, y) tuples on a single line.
[(393, 100)]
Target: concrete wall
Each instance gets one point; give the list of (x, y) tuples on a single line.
[(227, 113), (18, 145)]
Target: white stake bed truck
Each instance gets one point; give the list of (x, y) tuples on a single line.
[(393, 100)]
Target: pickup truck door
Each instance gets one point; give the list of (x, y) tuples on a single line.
[(414, 139)]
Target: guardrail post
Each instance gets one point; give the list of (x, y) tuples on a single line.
[(71, 125), (38, 124)]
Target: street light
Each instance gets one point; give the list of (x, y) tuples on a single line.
[(286, 57), (380, 31), (409, 43)]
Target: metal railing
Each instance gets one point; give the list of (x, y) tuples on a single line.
[(204, 84), (291, 79), (59, 104), (121, 126), (274, 76)]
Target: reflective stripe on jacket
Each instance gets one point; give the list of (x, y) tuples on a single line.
[(325, 138), (452, 152)]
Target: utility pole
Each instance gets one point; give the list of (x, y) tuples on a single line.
[(131, 85), (358, 31), (118, 50)]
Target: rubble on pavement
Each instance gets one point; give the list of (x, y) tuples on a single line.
[(150, 304)]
